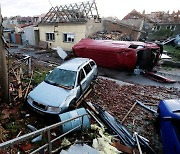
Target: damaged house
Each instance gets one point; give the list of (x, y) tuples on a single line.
[(154, 26), (117, 30), (134, 26), (66, 25), (165, 24), (142, 22)]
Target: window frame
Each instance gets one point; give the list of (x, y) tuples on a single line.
[(49, 37), (78, 78), (86, 69), (69, 38), (92, 64)]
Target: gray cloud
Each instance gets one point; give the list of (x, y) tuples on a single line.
[(117, 8)]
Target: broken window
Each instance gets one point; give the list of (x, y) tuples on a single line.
[(157, 27), (134, 46), (68, 37), (171, 27), (168, 27), (62, 78), (50, 37)]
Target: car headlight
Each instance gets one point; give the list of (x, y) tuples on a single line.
[(53, 109), (30, 100)]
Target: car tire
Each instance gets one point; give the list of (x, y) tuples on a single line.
[(72, 104)]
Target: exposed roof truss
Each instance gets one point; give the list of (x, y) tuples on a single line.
[(77, 12)]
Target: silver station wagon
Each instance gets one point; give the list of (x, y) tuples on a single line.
[(64, 86)]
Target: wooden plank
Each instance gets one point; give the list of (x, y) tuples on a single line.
[(128, 112), (27, 90), (83, 97)]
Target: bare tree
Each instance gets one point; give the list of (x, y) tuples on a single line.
[(3, 65)]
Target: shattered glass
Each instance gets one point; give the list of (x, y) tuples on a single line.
[(62, 78)]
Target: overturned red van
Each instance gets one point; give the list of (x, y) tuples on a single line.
[(119, 54)]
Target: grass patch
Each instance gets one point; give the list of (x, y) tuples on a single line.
[(173, 52), (39, 77), (167, 68)]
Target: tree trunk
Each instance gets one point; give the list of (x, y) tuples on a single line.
[(3, 66)]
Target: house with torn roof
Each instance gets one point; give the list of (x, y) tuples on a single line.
[(132, 27), (140, 21), (117, 30), (66, 25), (156, 25)]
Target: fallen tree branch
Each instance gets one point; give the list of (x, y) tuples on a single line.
[(27, 90)]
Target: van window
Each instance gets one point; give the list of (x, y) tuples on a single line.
[(87, 68), (92, 63), (81, 76)]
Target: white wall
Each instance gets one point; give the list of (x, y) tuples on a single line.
[(29, 34)]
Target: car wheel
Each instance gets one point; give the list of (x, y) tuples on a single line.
[(73, 104)]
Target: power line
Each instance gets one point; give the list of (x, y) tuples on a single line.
[(50, 3)]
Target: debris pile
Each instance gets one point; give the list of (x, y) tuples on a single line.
[(106, 35), (118, 100), (15, 115), (129, 104)]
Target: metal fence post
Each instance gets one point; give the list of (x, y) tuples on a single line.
[(49, 142)]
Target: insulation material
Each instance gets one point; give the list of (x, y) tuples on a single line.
[(61, 53), (103, 143)]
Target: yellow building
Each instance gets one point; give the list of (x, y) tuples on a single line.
[(66, 25)]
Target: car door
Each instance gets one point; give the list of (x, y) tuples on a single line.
[(81, 83), (89, 75), (94, 69)]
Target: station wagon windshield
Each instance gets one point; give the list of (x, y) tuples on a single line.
[(62, 78)]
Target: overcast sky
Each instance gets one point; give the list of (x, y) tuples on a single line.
[(118, 8)]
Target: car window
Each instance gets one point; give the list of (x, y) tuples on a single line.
[(92, 63), (81, 76), (176, 126), (87, 68), (61, 77)]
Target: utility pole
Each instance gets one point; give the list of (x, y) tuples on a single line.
[(3, 66)]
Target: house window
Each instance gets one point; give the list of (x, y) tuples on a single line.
[(68, 37), (172, 27), (50, 37), (157, 27), (168, 27)]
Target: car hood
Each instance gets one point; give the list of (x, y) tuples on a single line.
[(48, 94)]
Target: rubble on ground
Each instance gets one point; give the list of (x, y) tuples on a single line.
[(116, 99), (119, 99), (106, 35)]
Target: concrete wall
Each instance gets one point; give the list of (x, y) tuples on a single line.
[(79, 30), (126, 31), (166, 33), (92, 27), (29, 35)]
